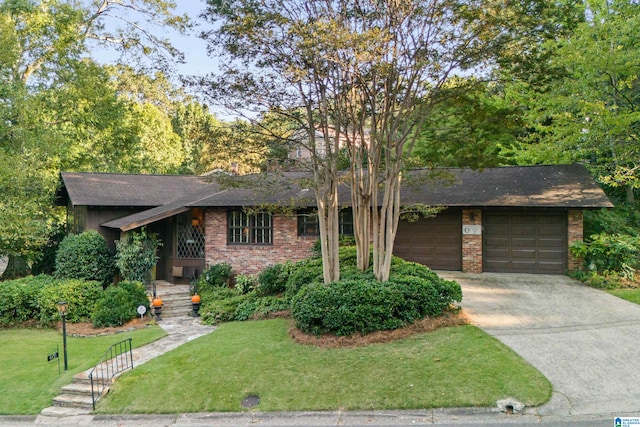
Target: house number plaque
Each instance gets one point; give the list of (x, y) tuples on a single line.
[(472, 229)]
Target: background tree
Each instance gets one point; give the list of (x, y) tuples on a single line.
[(57, 107), (364, 75), (591, 114)]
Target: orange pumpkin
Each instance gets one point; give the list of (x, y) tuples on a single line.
[(195, 299), (157, 302)]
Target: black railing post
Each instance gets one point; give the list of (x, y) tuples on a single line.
[(113, 361)]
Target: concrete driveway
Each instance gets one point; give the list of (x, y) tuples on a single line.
[(585, 341)]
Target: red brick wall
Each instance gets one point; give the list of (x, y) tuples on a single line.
[(574, 234), (471, 243), (252, 259)]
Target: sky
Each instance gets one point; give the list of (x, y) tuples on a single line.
[(195, 49)]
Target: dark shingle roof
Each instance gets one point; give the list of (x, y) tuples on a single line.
[(110, 189), (568, 186), (557, 186)]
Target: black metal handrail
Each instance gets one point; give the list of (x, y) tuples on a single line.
[(117, 358)]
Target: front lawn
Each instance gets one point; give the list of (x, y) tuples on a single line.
[(630, 294), (28, 383), (451, 367)]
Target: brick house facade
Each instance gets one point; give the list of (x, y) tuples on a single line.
[(509, 219)]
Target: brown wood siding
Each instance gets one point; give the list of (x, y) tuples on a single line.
[(435, 242), (525, 242)]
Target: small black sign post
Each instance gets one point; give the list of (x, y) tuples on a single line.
[(62, 309), (54, 355)]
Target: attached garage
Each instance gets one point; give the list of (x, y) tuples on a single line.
[(525, 241), (435, 242)]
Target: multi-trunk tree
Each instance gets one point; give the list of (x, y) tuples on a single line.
[(362, 76)]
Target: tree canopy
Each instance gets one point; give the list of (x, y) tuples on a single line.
[(365, 75)]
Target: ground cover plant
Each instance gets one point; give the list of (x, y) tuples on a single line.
[(28, 383), (358, 303), (450, 367)]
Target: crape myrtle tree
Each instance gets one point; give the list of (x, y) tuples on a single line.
[(364, 75)]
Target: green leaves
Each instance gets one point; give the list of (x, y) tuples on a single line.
[(136, 255)]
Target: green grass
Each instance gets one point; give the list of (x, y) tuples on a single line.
[(28, 383), (632, 295), (451, 367)]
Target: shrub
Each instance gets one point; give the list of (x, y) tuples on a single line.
[(343, 240), (81, 295), (346, 307), (85, 256), (246, 283), (119, 304), (19, 299), (304, 273), (220, 304), (273, 279), (216, 276), (260, 307), (359, 303), (136, 256), (609, 252)]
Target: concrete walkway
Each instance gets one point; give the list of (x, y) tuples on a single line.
[(585, 341)]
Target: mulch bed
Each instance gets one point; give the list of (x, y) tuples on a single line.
[(87, 329), (451, 318)]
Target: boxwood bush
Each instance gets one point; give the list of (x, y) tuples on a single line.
[(119, 304), (81, 295), (85, 256), (365, 305), (19, 299)]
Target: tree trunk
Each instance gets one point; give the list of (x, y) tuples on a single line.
[(361, 207), (17, 267), (631, 197), (328, 221), (386, 225)]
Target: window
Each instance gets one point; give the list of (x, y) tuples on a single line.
[(76, 219), (190, 235), (308, 224), (247, 229)]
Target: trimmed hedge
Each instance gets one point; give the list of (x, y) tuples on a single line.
[(358, 303), (19, 299), (119, 304), (81, 295), (85, 256), (37, 298)]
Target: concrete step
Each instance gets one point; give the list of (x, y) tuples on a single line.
[(73, 401), (176, 301), (63, 412), (77, 389)]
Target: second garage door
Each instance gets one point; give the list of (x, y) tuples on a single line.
[(435, 242), (524, 242)]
